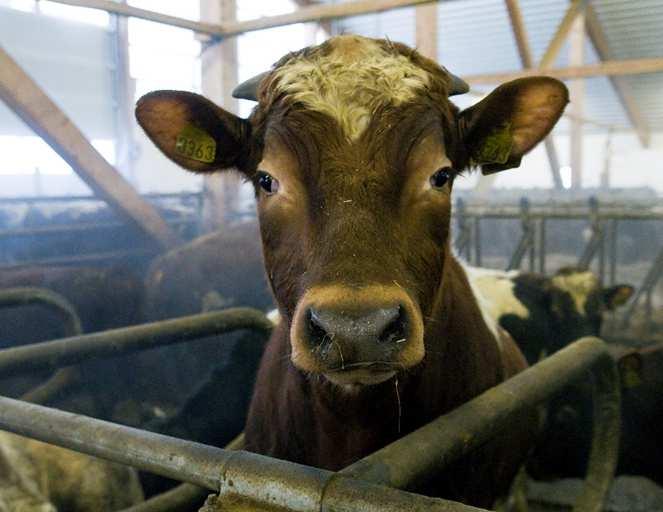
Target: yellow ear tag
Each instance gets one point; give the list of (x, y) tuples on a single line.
[(496, 148), (622, 296), (195, 144), (630, 368)]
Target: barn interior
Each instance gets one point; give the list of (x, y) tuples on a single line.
[(134, 303)]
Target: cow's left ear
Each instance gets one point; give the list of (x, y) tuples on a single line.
[(192, 131), (511, 120), (617, 295)]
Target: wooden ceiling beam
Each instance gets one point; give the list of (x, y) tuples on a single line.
[(561, 34), (326, 25), (527, 60), (314, 12), (24, 97), (607, 68), (426, 30)]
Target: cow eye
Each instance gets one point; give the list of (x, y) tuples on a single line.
[(269, 184), (440, 178)]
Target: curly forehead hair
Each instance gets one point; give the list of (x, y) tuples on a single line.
[(349, 79)]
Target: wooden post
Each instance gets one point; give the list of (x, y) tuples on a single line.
[(219, 77), (577, 93), (426, 30), (124, 95), (520, 33), (30, 103)]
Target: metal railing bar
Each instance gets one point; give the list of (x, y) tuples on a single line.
[(406, 461), (542, 246), (477, 241), (411, 459), (182, 497), (242, 474), (115, 342), (82, 259), (596, 240), (59, 229), (560, 215), (27, 296), (524, 244), (614, 233), (647, 286), (24, 296)]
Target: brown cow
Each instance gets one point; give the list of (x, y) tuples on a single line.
[(353, 149)]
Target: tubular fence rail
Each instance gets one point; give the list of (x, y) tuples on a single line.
[(63, 377), (372, 483), (601, 246), (53, 231)]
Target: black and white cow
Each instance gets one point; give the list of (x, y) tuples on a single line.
[(544, 314)]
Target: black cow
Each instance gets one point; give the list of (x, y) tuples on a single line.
[(544, 314), (566, 441)]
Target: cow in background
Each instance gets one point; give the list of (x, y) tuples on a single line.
[(216, 271), (546, 313), (104, 298), (566, 440), (353, 150)]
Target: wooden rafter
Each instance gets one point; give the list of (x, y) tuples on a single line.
[(607, 68), (520, 33), (317, 12), (22, 95), (326, 25), (562, 32), (527, 60), (620, 85)]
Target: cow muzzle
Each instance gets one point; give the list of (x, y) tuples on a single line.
[(356, 336)]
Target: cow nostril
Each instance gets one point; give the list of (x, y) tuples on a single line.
[(396, 330), (316, 331)]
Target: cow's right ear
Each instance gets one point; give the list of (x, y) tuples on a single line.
[(192, 131)]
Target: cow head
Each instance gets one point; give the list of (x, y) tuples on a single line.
[(577, 303), (353, 150)]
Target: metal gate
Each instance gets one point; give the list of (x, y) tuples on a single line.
[(372, 483)]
